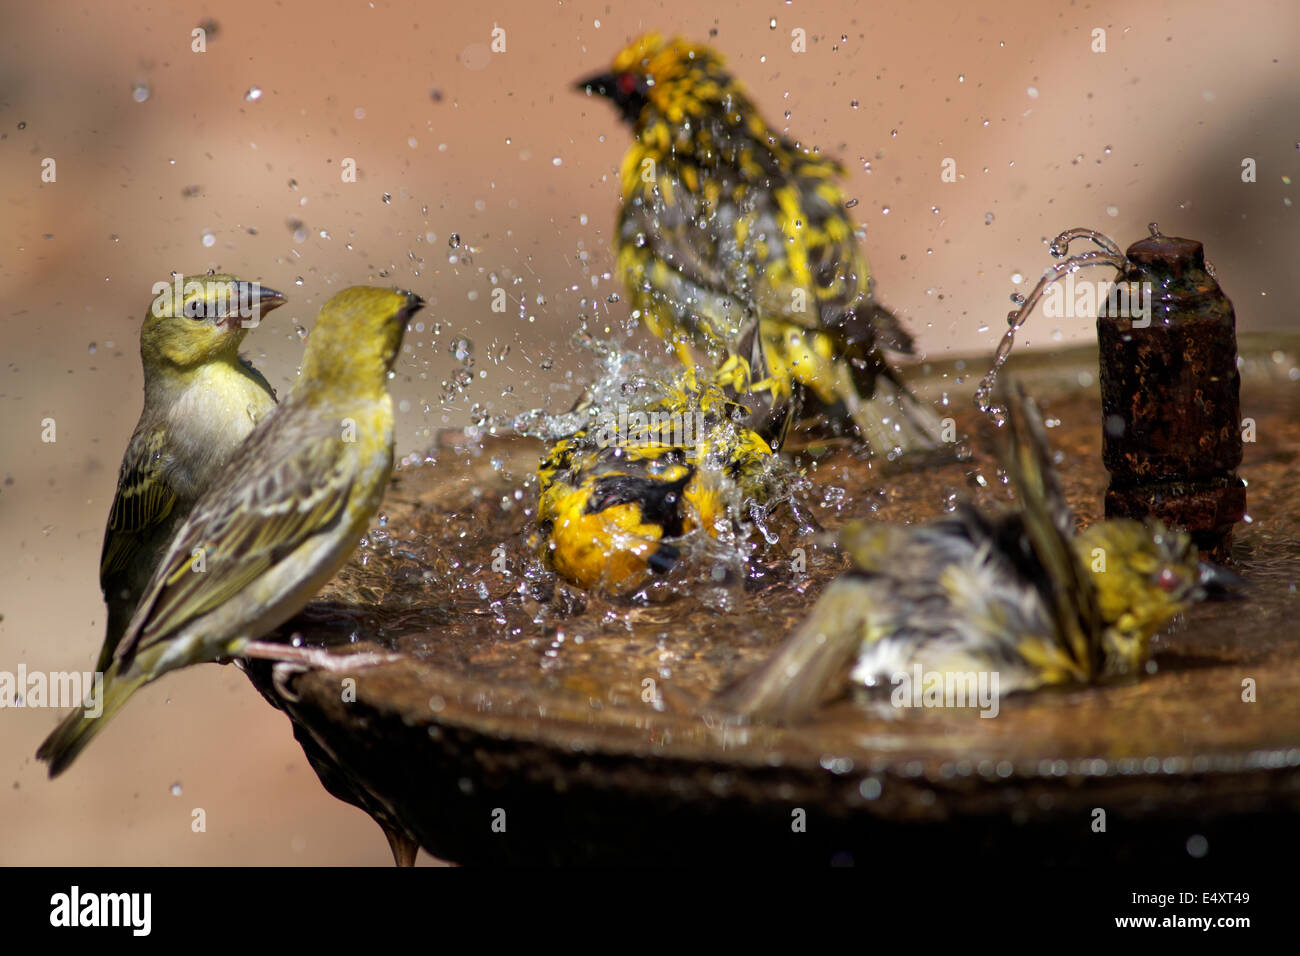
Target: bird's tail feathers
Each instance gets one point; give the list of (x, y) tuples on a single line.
[(79, 728), (892, 419), (811, 667)]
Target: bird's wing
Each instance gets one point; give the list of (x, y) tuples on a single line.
[(143, 500), (812, 665), (264, 506), (669, 225), (1049, 527)]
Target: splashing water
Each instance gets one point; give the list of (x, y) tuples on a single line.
[(1107, 254), (622, 372)]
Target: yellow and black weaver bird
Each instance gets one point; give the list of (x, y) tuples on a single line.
[(1020, 594), (275, 524), (734, 240), (617, 497), (201, 400)]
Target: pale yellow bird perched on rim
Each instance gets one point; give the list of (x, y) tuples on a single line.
[(277, 523), (201, 400)]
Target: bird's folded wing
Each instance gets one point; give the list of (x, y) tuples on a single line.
[(676, 237), (1049, 526), (143, 500), (258, 513)]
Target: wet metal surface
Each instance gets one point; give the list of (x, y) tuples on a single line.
[(576, 714)]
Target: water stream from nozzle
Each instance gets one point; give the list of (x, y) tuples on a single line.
[(1107, 254)]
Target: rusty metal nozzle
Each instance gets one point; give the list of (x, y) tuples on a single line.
[(1171, 414)]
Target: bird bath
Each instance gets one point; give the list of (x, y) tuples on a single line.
[(527, 721)]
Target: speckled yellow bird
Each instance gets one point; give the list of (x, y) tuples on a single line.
[(276, 524), (1021, 595), (616, 497), (201, 400), (734, 240)]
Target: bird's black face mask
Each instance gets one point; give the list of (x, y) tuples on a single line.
[(628, 91)]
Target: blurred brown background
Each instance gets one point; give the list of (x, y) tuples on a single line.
[(166, 162)]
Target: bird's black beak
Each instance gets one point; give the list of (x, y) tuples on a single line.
[(1220, 584), (413, 302), (253, 300), (265, 296), (602, 84)]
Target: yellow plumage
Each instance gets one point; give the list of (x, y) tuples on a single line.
[(277, 522), (616, 497), (737, 242), (200, 402), (1020, 596)]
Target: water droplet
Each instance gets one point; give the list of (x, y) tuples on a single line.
[(22, 124), (209, 240), (1112, 211), (454, 240), (771, 24), (253, 94), (93, 348), (461, 347), (1017, 278), (1032, 92), (884, 210), (853, 103), (988, 219), (388, 199), (961, 77), (140, 92), (176, 789), (359, 112), (849, 204)]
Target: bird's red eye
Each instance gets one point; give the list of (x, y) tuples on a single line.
[(1168, 580), (627, 83)]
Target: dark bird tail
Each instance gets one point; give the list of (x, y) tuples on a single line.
[(842, 363), (80, 727)]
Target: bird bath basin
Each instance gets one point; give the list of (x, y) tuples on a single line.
[(526, 721)]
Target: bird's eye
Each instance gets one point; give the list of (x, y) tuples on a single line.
[(627, 83), (1168, 580)]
